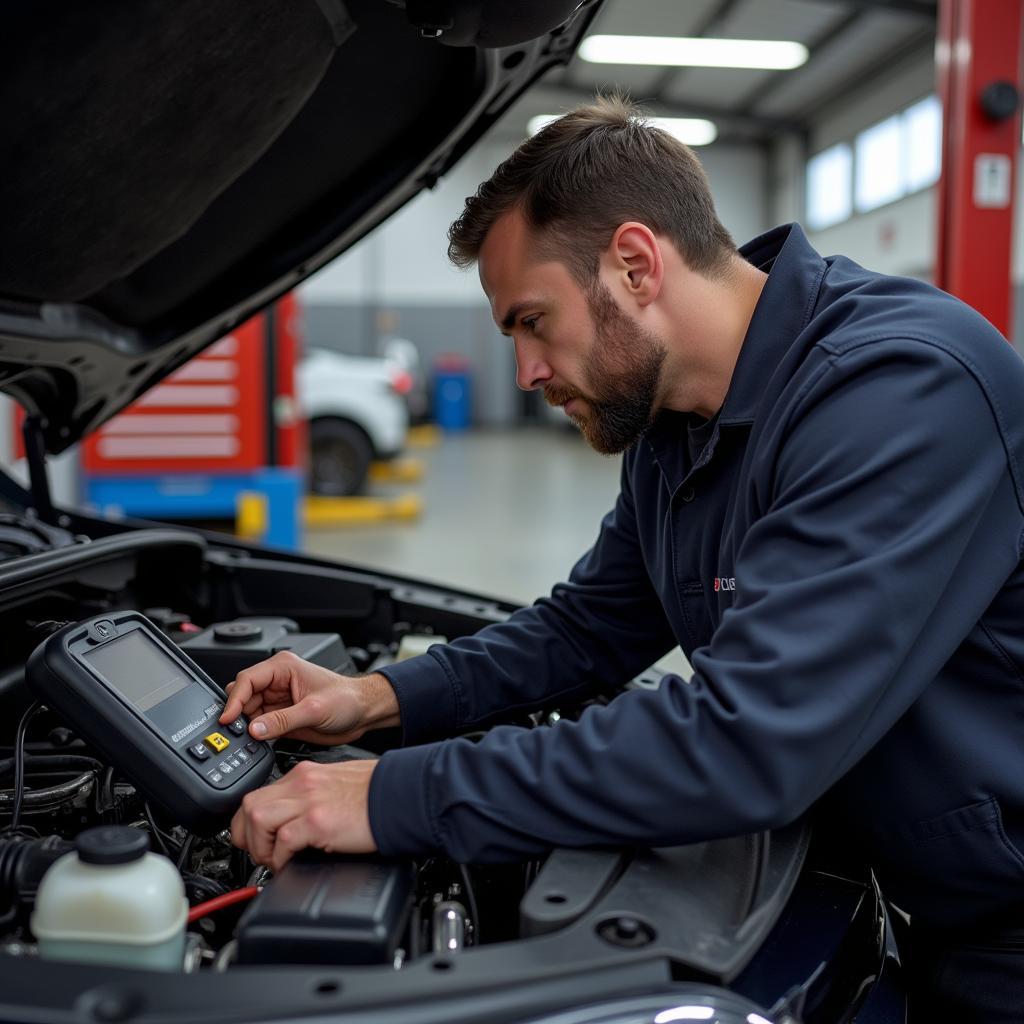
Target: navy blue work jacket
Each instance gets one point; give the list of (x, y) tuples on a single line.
[(838, 554)]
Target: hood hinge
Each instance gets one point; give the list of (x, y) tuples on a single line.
[(39, 481)]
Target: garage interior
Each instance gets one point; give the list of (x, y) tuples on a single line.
[(503, 494), (268, 423), (511, 503)]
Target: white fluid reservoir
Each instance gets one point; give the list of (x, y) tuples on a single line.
[(112, 902)]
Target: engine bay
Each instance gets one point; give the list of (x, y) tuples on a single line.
[(702, 912), (382, 913)]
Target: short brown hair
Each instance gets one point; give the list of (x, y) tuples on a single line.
[(586, 173)]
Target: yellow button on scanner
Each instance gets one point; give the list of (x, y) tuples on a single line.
[(216, 742)]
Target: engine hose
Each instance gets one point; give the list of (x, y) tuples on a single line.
[(51, 794), (23, 862), (52, 762), (219, 902)]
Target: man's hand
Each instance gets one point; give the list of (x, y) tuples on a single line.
[(318, 805), (287, 696)]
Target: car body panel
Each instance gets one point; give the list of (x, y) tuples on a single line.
[(355, 388)]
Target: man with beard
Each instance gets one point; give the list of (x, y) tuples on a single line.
[(821, 502)]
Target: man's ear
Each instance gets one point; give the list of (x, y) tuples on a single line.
[(635, 257)]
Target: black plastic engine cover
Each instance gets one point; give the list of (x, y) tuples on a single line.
[(328, 909), (223, 650)]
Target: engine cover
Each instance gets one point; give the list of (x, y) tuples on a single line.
[(223, 650), (329, 909)]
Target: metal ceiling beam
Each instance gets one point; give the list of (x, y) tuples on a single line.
[(712, 21), (817, 48), (752, 123), (885, 65), (742, 117), (925, 8)]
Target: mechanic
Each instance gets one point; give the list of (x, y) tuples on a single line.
[(821, 502)]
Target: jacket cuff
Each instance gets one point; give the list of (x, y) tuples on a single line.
[(427, 702), (399, 804)]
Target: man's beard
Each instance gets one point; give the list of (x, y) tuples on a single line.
[(621, 378)]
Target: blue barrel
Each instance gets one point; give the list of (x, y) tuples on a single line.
[(453, 392)]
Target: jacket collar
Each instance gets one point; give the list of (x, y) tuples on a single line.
[(784, 309)]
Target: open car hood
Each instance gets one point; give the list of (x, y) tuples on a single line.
[(169, 169)]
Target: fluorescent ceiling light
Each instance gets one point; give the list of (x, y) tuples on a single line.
[(777, 55), (694, 131)]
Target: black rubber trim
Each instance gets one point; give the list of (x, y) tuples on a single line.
[(34, 573)]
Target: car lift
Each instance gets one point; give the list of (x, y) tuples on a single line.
[(978, 68)]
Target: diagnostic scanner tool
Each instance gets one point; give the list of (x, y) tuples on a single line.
[(135, 696)]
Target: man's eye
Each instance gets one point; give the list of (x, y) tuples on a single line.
[(530, 322)]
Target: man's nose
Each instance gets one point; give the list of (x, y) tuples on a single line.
[(531, 370)]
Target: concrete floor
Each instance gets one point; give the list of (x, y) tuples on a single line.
[(505, 514)]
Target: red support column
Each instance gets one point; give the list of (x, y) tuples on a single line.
[(978, 63)]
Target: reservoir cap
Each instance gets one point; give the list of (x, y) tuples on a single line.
[(111, 844), (237, 632)]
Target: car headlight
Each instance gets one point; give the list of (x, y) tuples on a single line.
[(692, 1003)]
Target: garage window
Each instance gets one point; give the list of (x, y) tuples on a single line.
[(879, 177), (889, 160), (828, 187), (922, 144)]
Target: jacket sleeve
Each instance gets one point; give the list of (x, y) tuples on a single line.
[(890, 522), (600, 628)]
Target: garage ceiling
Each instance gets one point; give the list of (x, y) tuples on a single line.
[(851, 44)]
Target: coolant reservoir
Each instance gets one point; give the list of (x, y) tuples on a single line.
[(414, 644), (112, 902)]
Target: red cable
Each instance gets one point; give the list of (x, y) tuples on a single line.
[(219, 902)]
